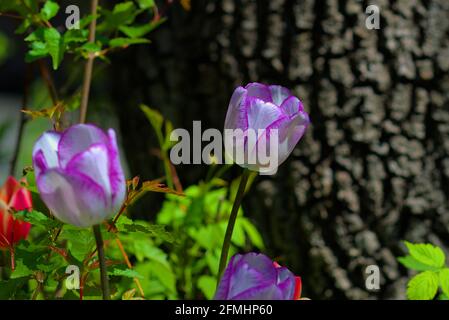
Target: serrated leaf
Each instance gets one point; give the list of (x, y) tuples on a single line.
[(38, 219), (444, 281), (124, 42), (10, 287), (80, 241), (125, 224), (123, 13), (49, 10), (427, 254), (423, 286), (46, 41), (413, 264), (75, 36)]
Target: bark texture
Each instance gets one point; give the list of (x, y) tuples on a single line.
[(372, 170)]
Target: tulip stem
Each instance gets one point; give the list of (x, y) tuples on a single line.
[(231, 223), (102, 262)]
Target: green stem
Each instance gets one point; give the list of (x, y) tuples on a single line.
[(167, 169), (102, 261), (231, 223)]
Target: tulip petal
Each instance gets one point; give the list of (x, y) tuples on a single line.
[(290, 132), (222, 292), (45, 152), (78, 138), (8, 189), (236, 117), (244, 272), (291, 106), (116, 176), (279, 94), (93, 163), (286, 282), (259, 91), (73, 199), (21, 200), (261, 292), (262, 114)]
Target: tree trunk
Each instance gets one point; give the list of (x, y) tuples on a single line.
[(373, 168)]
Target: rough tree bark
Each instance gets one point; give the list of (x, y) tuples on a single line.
[(372, 170)]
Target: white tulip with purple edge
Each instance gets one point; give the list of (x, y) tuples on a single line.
[(79, 175), (264, 109)]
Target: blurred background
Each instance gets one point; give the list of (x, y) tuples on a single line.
[(373, 168)]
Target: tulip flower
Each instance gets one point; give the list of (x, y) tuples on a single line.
[(13, 196), (254, 276), (274, 115), (78, 174), (263, 125)]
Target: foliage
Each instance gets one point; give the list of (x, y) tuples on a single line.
[(429, 261)]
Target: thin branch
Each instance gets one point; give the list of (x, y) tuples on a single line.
[(45, 73), (9, 15), (89, 65)]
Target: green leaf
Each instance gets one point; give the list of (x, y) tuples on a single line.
[(253, 234), (91, 47), (49, 10), (156, 120), (207, 285), (411, 263), (137, 31), (80, 241), (123, 13), (423, 286), (46, 41), (442, 296), (124, 224), (124, 42), (129, 273), (145, 4), (9, 288), (30, 258), (37, 218), (427, 254), (75, 35), (444, 281)]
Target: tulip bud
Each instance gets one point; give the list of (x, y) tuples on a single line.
[(254, 276), (78, 174), (263, 121), (13, 196)]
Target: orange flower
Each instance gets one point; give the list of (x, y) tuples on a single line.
[(13, 196)]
